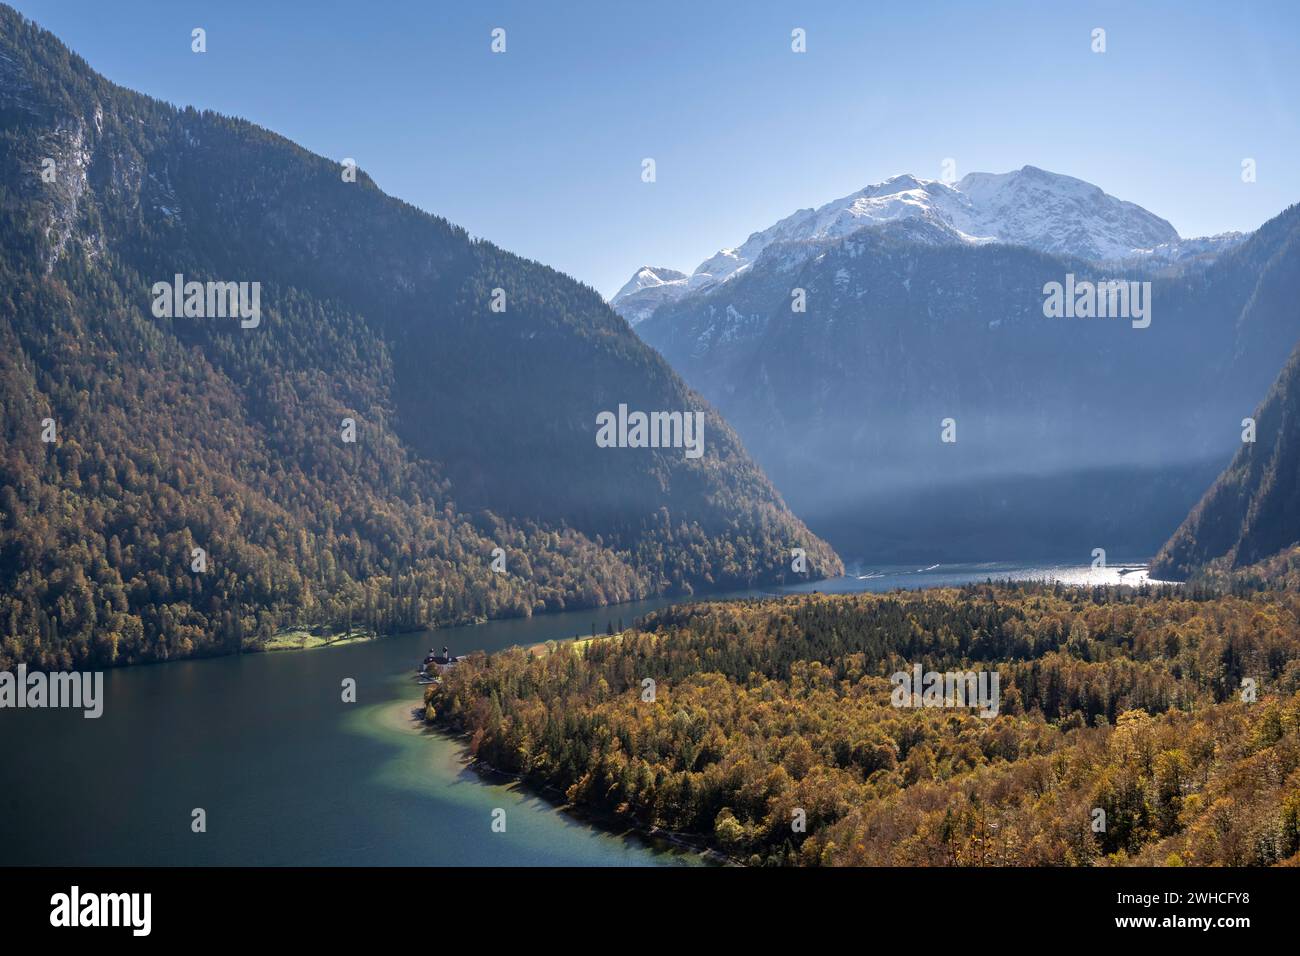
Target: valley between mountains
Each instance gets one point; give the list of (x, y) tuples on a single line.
[(841, 340), (249, 400)]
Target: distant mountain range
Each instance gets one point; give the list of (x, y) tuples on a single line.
[(924, 302), (139, 428), (1027, 207)]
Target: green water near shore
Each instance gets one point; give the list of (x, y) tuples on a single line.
[(287, 773)]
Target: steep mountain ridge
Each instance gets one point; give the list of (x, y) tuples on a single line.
[(1252, 511), (475, 428)]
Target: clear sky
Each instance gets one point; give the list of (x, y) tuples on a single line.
[(539, 149)]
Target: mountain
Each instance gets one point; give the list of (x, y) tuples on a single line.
[(1201, 250), (1060, 215), (1070, 433), (1252, 511), (1028, 207), (138, 425), (647, 290)]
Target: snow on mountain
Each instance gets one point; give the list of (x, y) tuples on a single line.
[(1202, 248), (651, 277), (647, 290), (1061, 215), (1028, 207), (902, 197)]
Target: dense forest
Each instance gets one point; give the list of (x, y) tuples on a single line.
[(1281, 572), (1176, 713), (128, 439)]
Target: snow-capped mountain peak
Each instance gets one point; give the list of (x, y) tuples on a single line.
[(1060, 214), (648, 288), (1028, 206), (900, 197), (650, 277)]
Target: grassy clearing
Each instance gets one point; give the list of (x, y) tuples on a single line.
[(297, 639)]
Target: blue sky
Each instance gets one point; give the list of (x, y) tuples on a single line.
[(540, 149)]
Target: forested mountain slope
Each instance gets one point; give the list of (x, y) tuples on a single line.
[(1252, 512), (475, 429)]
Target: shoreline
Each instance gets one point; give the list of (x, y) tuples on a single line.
[(616, 825), (608, 823), (300, 639), (279, 643)]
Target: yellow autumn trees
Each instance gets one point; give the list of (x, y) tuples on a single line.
[(1122, 737)]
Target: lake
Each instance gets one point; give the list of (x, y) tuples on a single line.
[(288, 774)]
